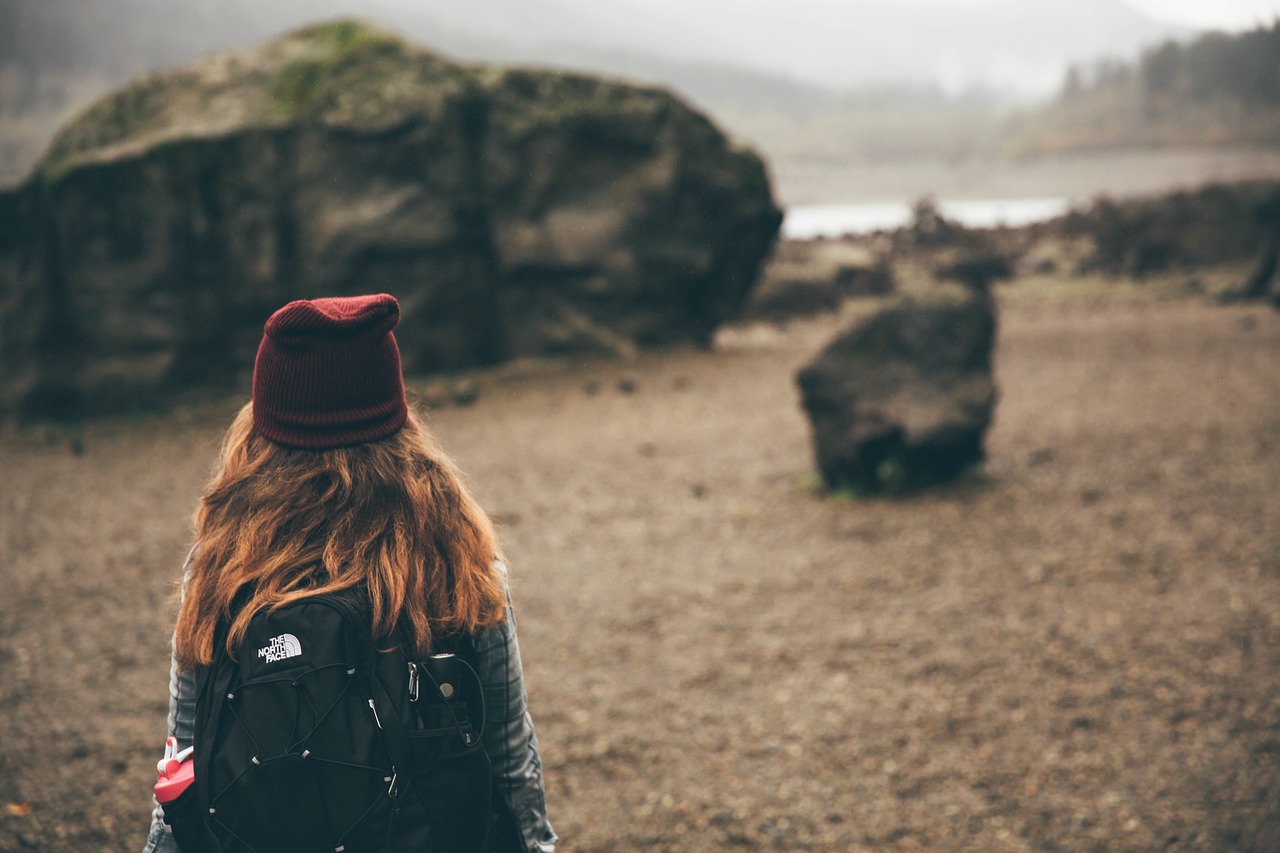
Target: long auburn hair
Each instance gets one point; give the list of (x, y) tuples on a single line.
[(278, 524)]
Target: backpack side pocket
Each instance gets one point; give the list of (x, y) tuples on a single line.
[(452, 782), (185, 820)]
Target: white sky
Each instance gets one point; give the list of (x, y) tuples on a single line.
[(1217, 14), (1205, 14)]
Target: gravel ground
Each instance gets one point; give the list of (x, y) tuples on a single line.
[(1076, 649)]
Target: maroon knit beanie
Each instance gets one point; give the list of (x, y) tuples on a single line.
[(328, 373)]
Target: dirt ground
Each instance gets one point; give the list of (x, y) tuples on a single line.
[(1077, 649)]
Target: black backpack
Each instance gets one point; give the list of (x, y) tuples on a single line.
[(314, 741)]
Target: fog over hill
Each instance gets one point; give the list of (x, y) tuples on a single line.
[(1007, 46), (1010, 45), (826, 81)]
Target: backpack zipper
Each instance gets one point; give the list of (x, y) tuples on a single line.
[(413, 681)]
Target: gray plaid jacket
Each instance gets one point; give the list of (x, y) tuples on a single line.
[(509, 737)]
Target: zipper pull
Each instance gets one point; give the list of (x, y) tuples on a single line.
[(375, 714), (413, 681)]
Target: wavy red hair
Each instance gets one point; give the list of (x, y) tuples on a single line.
[(392, 516)]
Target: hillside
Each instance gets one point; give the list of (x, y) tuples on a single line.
[(796, 61)]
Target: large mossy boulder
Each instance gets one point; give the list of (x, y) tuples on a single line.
[(513, 213), (902, 399)]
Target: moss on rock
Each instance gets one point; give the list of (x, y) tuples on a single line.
[(345, 72)]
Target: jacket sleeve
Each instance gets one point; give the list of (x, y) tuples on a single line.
[(182, 715), (182, 722), (509, 737)]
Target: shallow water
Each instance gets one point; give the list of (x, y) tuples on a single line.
[(806, 222)]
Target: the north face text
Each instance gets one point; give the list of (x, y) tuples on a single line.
[(284, 646)]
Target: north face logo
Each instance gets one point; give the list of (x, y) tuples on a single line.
[(284, 646)]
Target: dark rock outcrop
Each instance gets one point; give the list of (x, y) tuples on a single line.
[(1263, 283), (903, 399), (512, 212), (976, 270), (809, 277), (1185, 230)]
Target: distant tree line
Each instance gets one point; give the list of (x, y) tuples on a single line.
[(1244, 67)]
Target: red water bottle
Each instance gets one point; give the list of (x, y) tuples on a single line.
[(175, 772)]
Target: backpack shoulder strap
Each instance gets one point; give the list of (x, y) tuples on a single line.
[(213, 682)]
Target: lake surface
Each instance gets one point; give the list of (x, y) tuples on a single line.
[(806, 222)]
